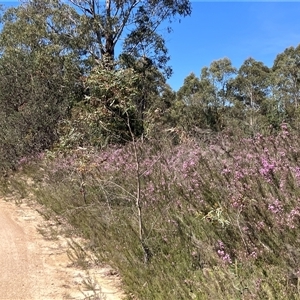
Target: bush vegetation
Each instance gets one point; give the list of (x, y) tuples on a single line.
[(219, 220), (188, 195)]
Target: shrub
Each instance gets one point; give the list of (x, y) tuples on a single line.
[(219, 220)]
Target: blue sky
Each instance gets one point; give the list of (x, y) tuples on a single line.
[(236, 29)]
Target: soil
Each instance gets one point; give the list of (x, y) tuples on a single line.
[(34, 267)]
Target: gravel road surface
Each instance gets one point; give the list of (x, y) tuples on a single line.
[(33, 268)]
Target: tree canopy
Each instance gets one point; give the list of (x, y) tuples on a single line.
[(91, 72), (59, 58)]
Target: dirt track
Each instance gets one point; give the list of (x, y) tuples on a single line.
[(33, 268)]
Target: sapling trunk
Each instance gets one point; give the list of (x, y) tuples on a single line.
[(138, 203)]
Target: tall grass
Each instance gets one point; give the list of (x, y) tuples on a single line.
[(220, 220)]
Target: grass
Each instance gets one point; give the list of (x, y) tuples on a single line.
[(219, 220)]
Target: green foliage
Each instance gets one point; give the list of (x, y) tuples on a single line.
[(107, 113), (286, 83), (48, 45), (114, 93), (252, 82), (218, 78), (103, 25), (38, 81), (188, 93), (253, 98)]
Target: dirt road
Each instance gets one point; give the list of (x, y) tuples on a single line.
[(33, 268)]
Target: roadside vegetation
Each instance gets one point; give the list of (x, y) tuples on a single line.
[(187, 195)]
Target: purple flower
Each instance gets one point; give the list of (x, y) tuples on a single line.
[(276, 207), (222, 254)]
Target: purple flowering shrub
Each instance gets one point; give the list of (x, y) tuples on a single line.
[(220, 220)]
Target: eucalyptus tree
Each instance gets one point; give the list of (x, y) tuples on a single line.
[(211, 89), (189, 92), (286, 82), (209, 94), (104, 25), (38, 77), (66, 40), (98, 29), (251, 86), (221, 73), (195, 97), (131, 28)]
